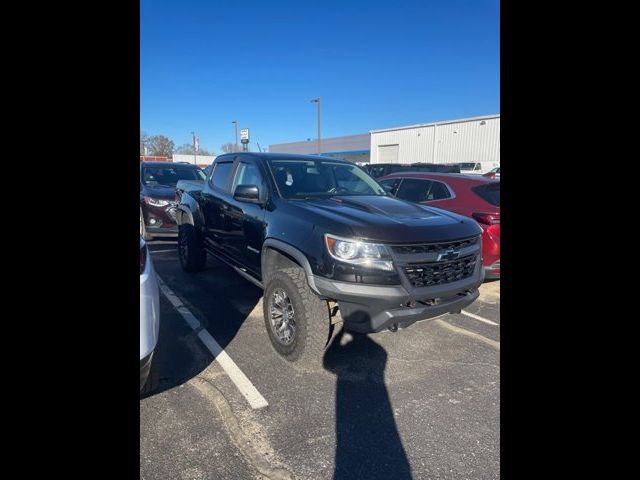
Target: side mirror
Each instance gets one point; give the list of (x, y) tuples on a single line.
[(247, 193)]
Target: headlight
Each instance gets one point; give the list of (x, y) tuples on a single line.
[(156, 202), (355, 252)]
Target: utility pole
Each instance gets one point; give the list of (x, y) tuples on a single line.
[(317, 100), (235, 124)]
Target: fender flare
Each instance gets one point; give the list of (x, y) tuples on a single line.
[(293, 252), (190, 212), (186, 214)]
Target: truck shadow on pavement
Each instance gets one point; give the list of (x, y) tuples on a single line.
[(368, 444)]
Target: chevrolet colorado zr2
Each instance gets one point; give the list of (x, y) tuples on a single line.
[(327, 245)]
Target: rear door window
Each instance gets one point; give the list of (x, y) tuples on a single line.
[(489, 193), (439, 191), (414, 190), (221, 174)]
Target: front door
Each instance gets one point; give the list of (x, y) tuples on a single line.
[(215, 203), (245, 221)]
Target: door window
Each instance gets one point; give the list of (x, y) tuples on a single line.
[(221, 173), (247, 174), (390, 185), (439, 191), (414, 190)]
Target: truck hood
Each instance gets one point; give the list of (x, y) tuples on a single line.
[(390, 220)]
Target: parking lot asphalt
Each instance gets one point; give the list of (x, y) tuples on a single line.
[(419, 403)]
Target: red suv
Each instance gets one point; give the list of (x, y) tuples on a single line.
[(470, 195)]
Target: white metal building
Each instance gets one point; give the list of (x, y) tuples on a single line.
[(354, 148), (473, 139), (200, 160)]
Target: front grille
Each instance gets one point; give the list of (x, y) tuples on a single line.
[(434, 247), (427, 274)]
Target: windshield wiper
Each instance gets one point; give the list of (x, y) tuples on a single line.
[(308, 197)]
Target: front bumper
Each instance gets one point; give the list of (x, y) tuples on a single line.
[(160, 221), (369, 308), (372, 308)]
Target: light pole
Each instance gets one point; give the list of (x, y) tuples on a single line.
[(235, 124), (317, 100)]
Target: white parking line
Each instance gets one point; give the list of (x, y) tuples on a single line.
[(244, 385), (479, 318), (468, 333)]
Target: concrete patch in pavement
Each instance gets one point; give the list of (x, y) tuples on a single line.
[(245, 444)]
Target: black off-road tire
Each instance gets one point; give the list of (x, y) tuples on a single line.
[(312, 318), (193, 256)]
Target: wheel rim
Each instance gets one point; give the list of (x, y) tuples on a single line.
[(282, 317)]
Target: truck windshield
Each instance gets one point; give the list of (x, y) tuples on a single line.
[(168, 176), (321, 178)]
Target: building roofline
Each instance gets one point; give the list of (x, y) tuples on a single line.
[(346, 152), (313, 140), (445, 122)]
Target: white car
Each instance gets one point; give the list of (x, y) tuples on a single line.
[(149, 312), (477, 168)]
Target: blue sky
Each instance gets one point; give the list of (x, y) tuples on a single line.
[(374, 64)]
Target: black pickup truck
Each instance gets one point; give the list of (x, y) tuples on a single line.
[(328, 245)]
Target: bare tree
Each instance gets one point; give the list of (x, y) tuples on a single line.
[(187, 149), (229, 148), (144, 141), (184, 149), (161, 146)]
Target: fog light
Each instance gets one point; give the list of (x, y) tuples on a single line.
[(152, 221)]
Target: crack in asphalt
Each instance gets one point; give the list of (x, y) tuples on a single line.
[(243, 442)]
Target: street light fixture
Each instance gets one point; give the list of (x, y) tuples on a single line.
[(317, 100)]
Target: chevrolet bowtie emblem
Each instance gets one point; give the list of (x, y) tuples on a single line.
[(448, 255)]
